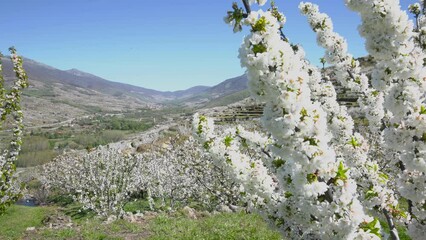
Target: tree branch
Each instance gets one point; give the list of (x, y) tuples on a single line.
[(247, 6), (392, 228), (283, 37)]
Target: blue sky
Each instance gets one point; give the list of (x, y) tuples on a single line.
[(163, 45)]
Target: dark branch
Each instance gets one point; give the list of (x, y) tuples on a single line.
[(351, 75), (283, 37), (247, 6), (410, 203), (393, 230)]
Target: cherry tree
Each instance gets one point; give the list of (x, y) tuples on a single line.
[(318, 176), (12, 116), (101, 180), (183, 173), (178, 174)]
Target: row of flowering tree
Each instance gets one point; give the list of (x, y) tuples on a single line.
[(10, 116), (107, 178), (315, 174)]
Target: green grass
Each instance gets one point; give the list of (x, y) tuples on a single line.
[(18, 218), (94, 230), (221, 226), (44, 92), (135, 206), (142, 205), (36, 150), (88, 140), (57, 234), (116, 230), (42, 147)]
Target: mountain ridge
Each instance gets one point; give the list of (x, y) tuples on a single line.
[(56, 95), (42, 72)]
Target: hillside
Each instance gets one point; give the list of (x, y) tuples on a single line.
[(224, 93), (55, 95)]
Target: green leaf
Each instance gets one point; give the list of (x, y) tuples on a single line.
[(278, 162), (207, 144), (312, 141), (201, 120), (228, 139), (303, 114), (236, 15), (375, 93), (260, 25), (388, 71), (371, 227), (288, 194), (383, 176), (341, 172), (424, 137), (371, 194), (354, 142), (357, 80), (259, 48), (353, 63), (341, 118), (422, 110), (244, 143), (312, 178)]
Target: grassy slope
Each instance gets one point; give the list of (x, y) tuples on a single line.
[(221, 226), (14, 223), (18, 218)]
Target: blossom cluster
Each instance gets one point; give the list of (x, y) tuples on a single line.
[(400, 75), (10, 107), (321, 178), (307, 187), (371, 183)]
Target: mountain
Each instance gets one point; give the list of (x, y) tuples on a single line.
[(227, 87), (185, 93), (228, 91), (74, 77), (55, 95)]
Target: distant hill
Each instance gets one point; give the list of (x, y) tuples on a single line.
[(56, 95), (226, 92), (76, 78), (185, 93), (227, 87)]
